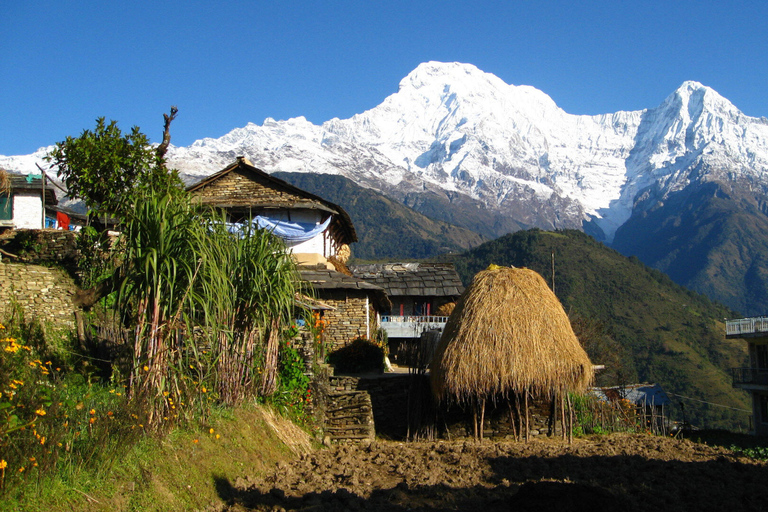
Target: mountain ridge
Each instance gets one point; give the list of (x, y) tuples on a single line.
[(461, 146)]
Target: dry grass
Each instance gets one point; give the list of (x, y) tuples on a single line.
[(508, 334), (290, 434)]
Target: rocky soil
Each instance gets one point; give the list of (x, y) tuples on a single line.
[(619, 472)]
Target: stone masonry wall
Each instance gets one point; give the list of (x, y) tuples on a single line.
[(390, 398), (40, 245), (346, 322), (42, 293)]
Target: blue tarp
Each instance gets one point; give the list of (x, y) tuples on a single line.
[(291, 233)]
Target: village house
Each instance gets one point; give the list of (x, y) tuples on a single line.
[(316, 232), (754, 378), (23, 204), (421, 293)]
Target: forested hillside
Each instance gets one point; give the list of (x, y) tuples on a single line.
[(635, 320)]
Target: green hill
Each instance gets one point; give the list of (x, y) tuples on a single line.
[(633, 319), (385, 228), (711, 239)]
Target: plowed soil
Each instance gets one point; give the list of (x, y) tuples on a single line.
[(619, 472)]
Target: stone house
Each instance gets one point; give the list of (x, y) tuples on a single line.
[(316, 232), (23, 205), (418, 291), (313, 229)]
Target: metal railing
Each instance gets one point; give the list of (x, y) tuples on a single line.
[(750, 376), (415, 319), (746, 326)]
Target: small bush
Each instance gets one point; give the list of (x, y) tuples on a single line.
[(362, 355)]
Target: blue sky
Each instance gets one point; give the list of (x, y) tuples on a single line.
[(229, 63)]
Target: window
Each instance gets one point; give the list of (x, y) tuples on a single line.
[(6, 207)]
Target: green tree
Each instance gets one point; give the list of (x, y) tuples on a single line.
[(106, 168)]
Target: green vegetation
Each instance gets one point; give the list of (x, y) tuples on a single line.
[(385, 228), (711, 240), (632, 318), (202, 315)]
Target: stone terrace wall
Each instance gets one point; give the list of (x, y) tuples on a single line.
[(42, 293), (390, 401), (41, 245)]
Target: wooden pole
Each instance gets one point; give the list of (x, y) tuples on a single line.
[(527, 426), (512, 419), (482, 418), (563, 425)]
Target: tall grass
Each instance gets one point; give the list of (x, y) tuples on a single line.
[(206, 305)]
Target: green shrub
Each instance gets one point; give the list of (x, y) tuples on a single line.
[(362, 355)]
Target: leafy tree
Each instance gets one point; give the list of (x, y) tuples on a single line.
[(106, 168)]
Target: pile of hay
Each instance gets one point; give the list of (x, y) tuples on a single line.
[(508, 334)]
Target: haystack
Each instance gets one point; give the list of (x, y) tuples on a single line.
[(508, 336)]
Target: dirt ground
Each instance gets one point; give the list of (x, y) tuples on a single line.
[(624, 472)]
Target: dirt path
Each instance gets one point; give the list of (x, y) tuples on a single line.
[(619, 472)]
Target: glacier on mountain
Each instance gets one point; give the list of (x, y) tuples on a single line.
[(452, 128)]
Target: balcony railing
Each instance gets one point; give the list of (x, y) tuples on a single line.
[(750, 377), (411, 326), (746, 326)]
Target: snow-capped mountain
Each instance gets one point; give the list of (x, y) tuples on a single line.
[(454, 130)]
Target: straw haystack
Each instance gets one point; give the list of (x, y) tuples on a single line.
[(508, 336)]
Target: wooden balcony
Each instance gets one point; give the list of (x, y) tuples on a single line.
[(747, 327), (750, 378), (411, 326)]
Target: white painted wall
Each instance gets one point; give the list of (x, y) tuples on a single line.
[(27, 210), (316, 245)]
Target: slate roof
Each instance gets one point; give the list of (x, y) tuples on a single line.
[(327, 279), (33, 182), (412, 279)]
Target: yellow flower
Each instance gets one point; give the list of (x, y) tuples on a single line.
[(3, 464), (42, 440), (210, 431), (204, 390), (40, 412), (146, 368), (92, 411), (217, 436), (92, 421)]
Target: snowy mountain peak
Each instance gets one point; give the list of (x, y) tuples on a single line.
[(455, 130)]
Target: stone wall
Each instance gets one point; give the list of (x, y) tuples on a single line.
[(42, 293), (392, 395), (348, 321), (41, 245)]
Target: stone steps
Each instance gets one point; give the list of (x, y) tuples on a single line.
[(349, 413)]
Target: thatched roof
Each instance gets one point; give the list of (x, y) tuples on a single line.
[(508, 334)]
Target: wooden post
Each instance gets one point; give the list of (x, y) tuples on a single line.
[(570, 420), (527, 426), (563, 425), (482, 418), (512, 419)]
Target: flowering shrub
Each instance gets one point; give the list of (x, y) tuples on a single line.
[(293, 393), (50, 418)]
